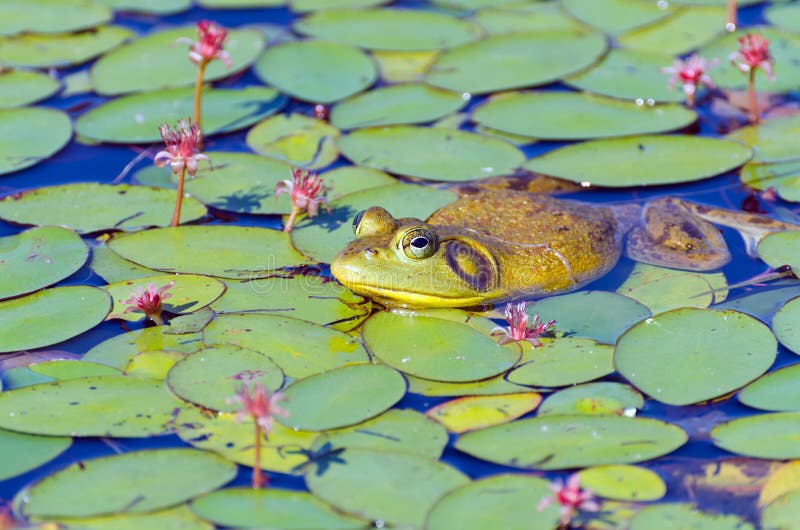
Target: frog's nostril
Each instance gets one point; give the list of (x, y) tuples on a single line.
[(370, 252)]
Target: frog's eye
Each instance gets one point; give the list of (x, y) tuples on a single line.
[(419, 243), (357, 221)]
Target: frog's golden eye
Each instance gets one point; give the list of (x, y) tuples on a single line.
[(419, 243), (357, 221)]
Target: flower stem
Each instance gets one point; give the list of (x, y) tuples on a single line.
[(290, 222), (198, 93), (751, 91), (731, 16), (156, 317), (258, 477), (690, 102), (176, 215)]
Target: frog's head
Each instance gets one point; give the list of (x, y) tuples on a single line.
[(408, 263)]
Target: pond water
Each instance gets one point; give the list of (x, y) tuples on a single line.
[(716, 487)]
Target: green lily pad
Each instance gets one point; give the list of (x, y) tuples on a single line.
[(154, 7), (781, 248), (272, 508), (785, 325), (153, 364), (239, 4), (662, 289), (712, 351), (403, 67), (179, 518), (571, 116), (770, 139), (528, 59), (564, 361), (434, 348), (216, 250), (108, 265), (764, 302), (616, 16), (783, 177), (316, 71), (781, 514), (623, 483), (431, 153), (92, 207), (64, 369), (22, 87), (295, 139), (110, 405), (398, 104), (684, 515), (534, 16), (397, 488), (563, 442), (398, 430), (23, 452), (211, 376), (309, 298), (477, 412), (771, 435), (304, 6), (190, 293), (300, 348), (629, 74), (61, 50), (322, 237), (502, 501), (120, 349), (598, 315), (592, 398), (784, 16), (37, 258), (151, 480), (642, 160), (784, 46), (30, 135), (776, 391), (156, 61), (136, 118), (50, 316), (685, 30), (51, 16), (341, 397), (491, 386), (389, 29)]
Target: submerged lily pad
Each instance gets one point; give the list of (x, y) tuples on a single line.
[(216, 250), (23, 452), (684, 515), (593, 398), (713, 351), (50, 316), (688, 28), (189, 293), (316, 71), (572, 116), (37, 258), (136, 118), (528, 59), (785, 325), (776, 391), (642, 160), (477, 412), (295, 139), (92, 207), (60, 50), (30, 135), (151, 480), (389, 29), (50, 16), (563, 442), (564, 361), (22, 87)]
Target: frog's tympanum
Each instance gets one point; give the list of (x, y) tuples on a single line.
[(503, 244)]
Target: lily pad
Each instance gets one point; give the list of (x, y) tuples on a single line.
[(389, 29), (533, 16), (300, 348), (771, 435), (491, 386), (61, 50), (120, 349), (22, 87), (316, 71), (431, 153), (642, 160), (153, 479), (564, 361), (65, 369), (51, 16), (179, 518), (684, 515), (110, 405), (434, 348), (477, 412), (781, 514), (295, 139), (50, 316), (776, 391), (662, 289), (783, 177), (528, 59), (714, 351), (216, 250), (23, 452), (563, 442), (153, 364), (397, 488), (190, 293), (785, 325), (304, 6), (592, 398), (211, 376), (136, 118), (770, 139), (784, 16), (322, 237), (272, 508), (616, 16), (403, 67), (623, 483), (30, 135), (155, 7), (502, 501), (572, 116), (91, 207), (341, 397), (37, 258), (781, 248), (685, 30)]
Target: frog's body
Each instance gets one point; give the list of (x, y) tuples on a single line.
[(502, 244)]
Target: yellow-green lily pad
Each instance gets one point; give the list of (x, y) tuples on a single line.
[(179, 518), (623, 483), (781, 514), (593, 398), (119, 350), (295, 139), (685, 515), (477, 412)]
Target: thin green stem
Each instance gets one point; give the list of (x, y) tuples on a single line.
[(176, 215)]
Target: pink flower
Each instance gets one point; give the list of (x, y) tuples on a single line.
[(753, 53), (518, 327), (180, 153), (149, 301), (211, 37), (260, 405), (307, 192), (690, 74), (571, 498)]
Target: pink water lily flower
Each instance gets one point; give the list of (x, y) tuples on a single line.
[(753, 53), (307, 192), (181, 143), (258, 404), (690, 74), (518, 327), (571, 498), (211, 37), (149, 301)]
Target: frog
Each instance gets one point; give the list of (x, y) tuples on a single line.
[(503, 244)]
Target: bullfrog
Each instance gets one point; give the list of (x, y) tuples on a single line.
[(498, 245)]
